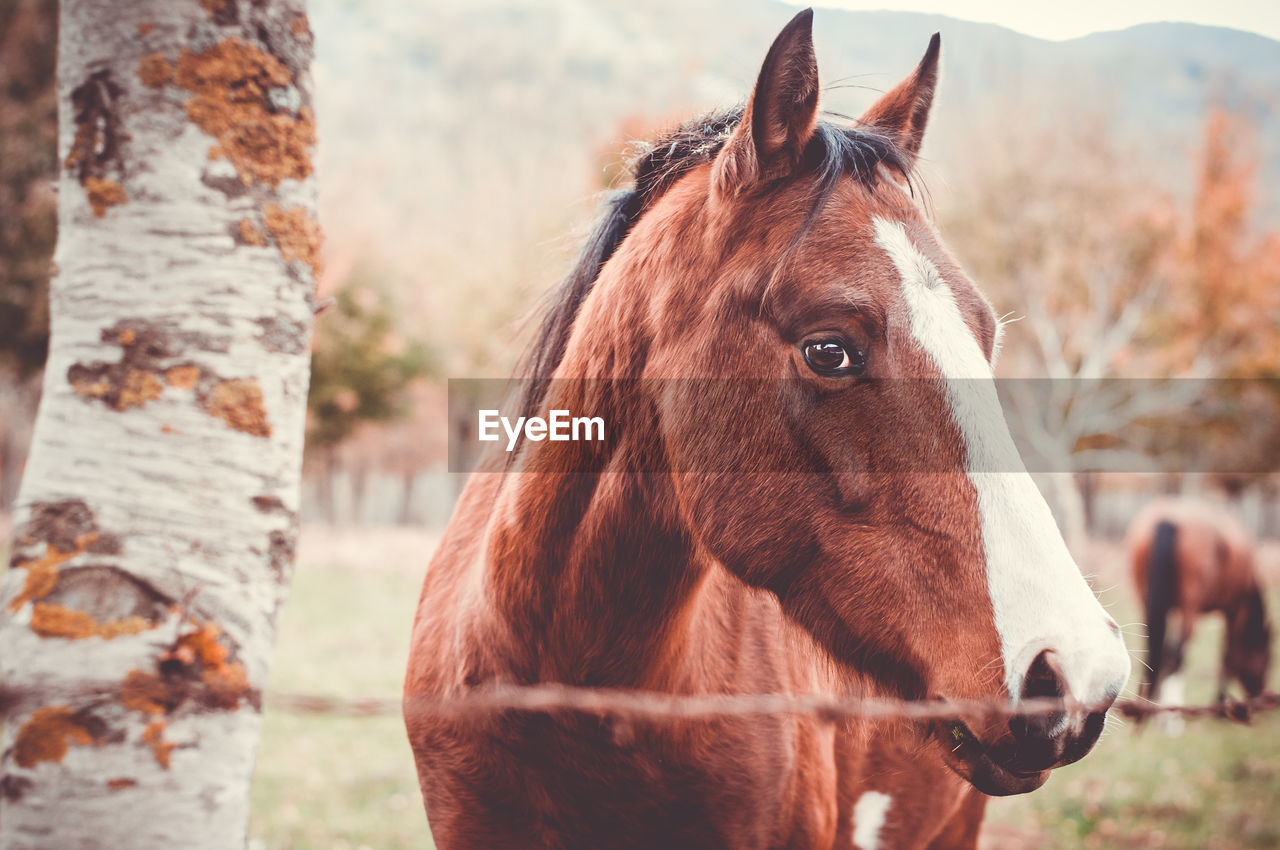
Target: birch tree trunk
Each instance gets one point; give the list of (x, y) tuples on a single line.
[(155, 528)]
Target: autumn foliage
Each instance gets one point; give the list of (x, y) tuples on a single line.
[(1225, 302)]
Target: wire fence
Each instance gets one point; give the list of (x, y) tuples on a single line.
[(650, 705), (657, 706)]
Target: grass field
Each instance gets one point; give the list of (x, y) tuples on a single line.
[(330, 782), (1216, 785), (348, 783), (345, 784)]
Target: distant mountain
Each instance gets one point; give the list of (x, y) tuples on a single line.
[(460, 137)]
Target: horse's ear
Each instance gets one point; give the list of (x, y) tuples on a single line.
[(903, 112), (780, 116)]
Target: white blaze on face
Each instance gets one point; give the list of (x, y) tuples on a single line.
[(868, 819), (1039, 598)]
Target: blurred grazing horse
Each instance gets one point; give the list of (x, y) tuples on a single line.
[(1190, 558), (769, 297)]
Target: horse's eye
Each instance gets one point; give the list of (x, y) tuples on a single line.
[(833, 357)]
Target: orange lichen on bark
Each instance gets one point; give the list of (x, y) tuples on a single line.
[(296, 233), (42, 572), (230, 83), (120, 783), (48, 734), (226, 685), (220, 11), (144, 692), (155, 70), (201, 647), (195, 669), (103, 194), (162, 749), (128, 336), (97, 388), (146, 28), (57, 621), (81, 148), (300, 25), (127, 626), (42, 578), (182, 377), (138, 387), (250, 234), (238, 402)]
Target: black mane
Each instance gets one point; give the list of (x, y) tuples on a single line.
[(833, 153)]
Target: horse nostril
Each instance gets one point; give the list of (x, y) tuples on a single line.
[(1043, 680), (1044, 677), (1042, 741)]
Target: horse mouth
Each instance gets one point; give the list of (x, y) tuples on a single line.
[(986, 768)]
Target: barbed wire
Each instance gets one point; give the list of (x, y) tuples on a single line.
[(651, 705)]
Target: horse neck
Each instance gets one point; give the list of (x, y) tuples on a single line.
[(592, 573), (597, 575)]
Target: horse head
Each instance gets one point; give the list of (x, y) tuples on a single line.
[(793, 266)]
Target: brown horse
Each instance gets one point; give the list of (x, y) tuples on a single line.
[(1190, 558), (785, 257)]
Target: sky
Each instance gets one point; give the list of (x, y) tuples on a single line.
[(1062, 20)]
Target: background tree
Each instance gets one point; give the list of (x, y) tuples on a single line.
[(1077, 248), (362, 370), (1225, 307), (1107, 276), (155, 529), (1225, 299), (28, 150)]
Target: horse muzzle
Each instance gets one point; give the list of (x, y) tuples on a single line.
[(1019, 756), (1016, 764)]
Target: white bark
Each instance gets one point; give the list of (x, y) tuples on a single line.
[(156, 498)]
